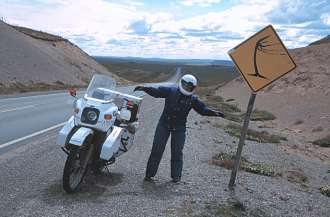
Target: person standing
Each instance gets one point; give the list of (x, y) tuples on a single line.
[(179, 100)]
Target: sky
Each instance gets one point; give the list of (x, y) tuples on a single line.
[(200, 29)]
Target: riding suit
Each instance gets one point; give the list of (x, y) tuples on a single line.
[(173, 122)]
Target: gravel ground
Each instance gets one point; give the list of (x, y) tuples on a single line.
[(31, 179)]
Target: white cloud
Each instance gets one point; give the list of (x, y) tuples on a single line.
[(326, 18), (102, 27), (201, 3)]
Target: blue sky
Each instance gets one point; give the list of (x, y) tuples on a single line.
[(170, 29)]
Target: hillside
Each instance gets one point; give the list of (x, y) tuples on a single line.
[(300, 100), (34, 60), (324, 40)]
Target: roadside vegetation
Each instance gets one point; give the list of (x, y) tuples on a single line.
[(146, 71), (261, 115), (325, 190), (253, 135), (231, 110), (324, 142), (22, 88), (39, 34), (140, 72), (227, 160)]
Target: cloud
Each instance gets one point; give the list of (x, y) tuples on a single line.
[(130, 28), (216, 34), (326, 18), (301, 22), (201, 3), (298, 11)]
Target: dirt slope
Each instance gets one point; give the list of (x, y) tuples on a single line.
[(299, 100), (29, 58)]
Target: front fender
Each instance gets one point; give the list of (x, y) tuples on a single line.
[(80, 135), (65, 132)]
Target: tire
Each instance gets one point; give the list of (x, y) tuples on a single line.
[(75, 168)]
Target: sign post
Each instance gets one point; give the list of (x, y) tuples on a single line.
[(261, 59), (241, 140)]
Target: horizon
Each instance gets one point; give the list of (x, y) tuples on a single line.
[(176, 29), (161, 58)]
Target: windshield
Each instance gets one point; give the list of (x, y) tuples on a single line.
[(99, 86)]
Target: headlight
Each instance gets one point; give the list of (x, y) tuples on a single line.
[(91, 116)]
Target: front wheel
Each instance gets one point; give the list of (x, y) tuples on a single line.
[(75, 168)]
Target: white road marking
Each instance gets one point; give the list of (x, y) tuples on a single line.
[(15, 109), (37, 96), (31, 135)]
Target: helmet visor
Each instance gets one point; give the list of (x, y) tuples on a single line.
[(188, 86)]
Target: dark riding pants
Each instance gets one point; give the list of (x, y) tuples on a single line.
[(178, 136)]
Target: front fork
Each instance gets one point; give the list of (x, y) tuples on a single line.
[(89, 155)]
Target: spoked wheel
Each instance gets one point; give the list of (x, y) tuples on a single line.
[(75, 168)]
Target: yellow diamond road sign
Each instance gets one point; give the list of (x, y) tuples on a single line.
[(262, 58)]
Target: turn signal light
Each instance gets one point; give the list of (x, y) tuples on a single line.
[(107, 117), (76, 110), (130, 104)]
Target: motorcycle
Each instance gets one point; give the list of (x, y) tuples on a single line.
[(101, 129)]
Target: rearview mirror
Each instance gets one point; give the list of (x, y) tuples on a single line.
[(73, 92)]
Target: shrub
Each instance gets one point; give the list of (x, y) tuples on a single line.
[(325, 190), (261, 115), (263, 136), (324, 142), (227, 160)]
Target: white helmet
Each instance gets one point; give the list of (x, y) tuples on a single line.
[(187, 84)]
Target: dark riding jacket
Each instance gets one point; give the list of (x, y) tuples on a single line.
[(177, 106)]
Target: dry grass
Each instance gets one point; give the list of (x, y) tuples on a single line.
[(261, 115), (144, 71), (22, 88), (296, 176), (263, 136), (39, 34), (140, 72), (298, 122), (324, 142), (226, 160), (325, 190), (232, 111)]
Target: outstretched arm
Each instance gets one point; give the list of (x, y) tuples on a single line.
[(158, 92), (202, 109)]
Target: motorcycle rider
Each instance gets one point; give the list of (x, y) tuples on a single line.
[(179, 100)]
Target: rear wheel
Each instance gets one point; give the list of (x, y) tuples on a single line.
[(76, 167)]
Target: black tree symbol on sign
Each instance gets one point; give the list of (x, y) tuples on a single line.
[(264, 45)]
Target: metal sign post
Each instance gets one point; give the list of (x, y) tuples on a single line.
[(242, 140)]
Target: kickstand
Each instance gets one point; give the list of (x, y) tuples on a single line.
[(107, 169)]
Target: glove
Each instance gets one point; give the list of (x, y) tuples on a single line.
[(220, 114), (139, 88)]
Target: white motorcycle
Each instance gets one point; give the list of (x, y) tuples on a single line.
[(102, 128)]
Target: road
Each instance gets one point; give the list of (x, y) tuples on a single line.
[(23, 117)]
